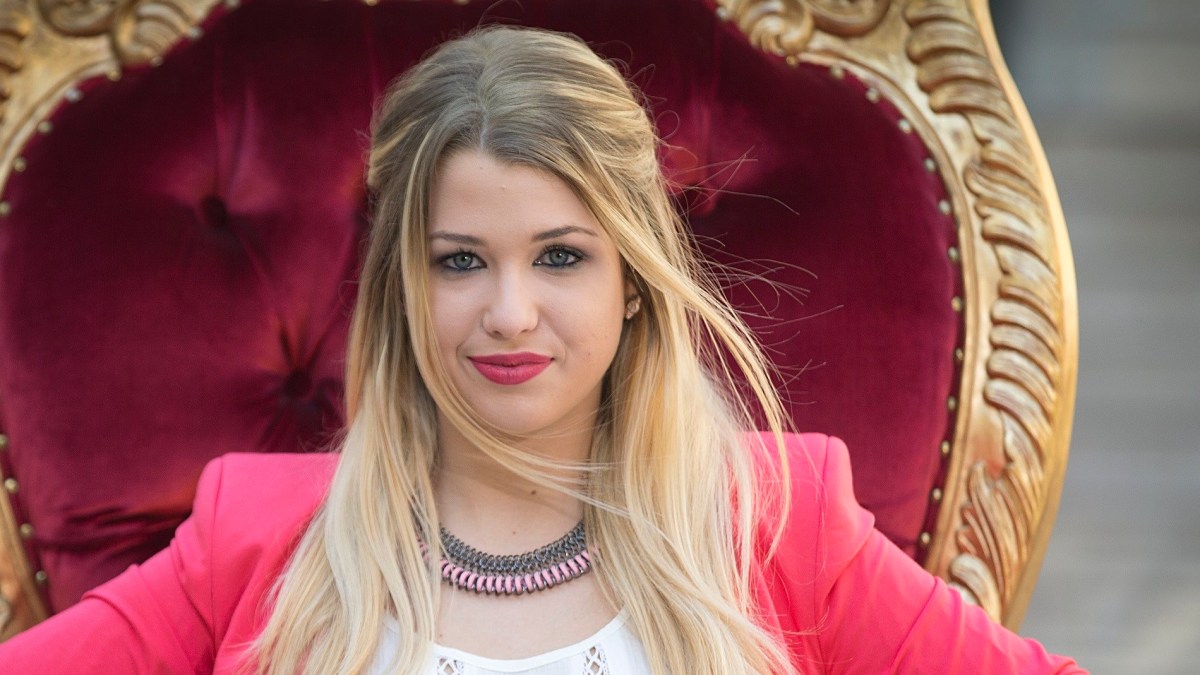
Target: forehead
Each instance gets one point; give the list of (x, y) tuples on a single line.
[(474, 193)]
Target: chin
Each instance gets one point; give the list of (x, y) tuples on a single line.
[(519, 426), (513, 420)]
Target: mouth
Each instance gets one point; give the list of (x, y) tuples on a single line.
[(510, 369)]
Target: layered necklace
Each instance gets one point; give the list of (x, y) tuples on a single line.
[(555, 563)]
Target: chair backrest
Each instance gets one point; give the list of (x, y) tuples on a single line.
[(182, 212)]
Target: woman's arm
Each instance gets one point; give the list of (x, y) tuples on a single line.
[(883, 604), (883, 613), (154, 618)]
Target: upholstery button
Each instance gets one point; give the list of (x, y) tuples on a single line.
[(41, 577), (11, 485), (213, 212), (297, 385), (945, 448), (925, 539), (26, 531)]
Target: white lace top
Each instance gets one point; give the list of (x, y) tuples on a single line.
[(612, 650)]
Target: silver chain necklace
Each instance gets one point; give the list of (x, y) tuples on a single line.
[(558, 562)]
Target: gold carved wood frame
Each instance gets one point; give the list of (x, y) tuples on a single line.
[(938, 62)]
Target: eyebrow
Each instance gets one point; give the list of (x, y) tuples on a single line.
[(541, 236), (562, 231)]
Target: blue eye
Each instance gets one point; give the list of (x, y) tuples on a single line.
[(559, 256), (460, 261)]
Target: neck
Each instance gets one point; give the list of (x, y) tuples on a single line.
[(497, 510)]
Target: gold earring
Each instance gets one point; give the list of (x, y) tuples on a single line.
[(633, 307)]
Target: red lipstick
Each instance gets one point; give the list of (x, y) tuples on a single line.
[(510, 368)]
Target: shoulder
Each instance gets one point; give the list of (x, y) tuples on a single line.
[(811, 447), (807, 509), (263, 499), (249, 513), (814, 470), (258, 476), (814, 467)]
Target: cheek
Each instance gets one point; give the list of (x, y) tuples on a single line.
[(451, 319), (607, 324), (593, 313)]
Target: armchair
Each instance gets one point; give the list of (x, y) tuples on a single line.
[(182, 205)]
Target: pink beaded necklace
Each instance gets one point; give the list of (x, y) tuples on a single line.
[(555, 563)]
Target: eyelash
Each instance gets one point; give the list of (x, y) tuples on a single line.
[(577, 257)]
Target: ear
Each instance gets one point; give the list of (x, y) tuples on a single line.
[(632, 288), (633, 298)]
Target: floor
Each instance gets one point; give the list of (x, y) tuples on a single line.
[(1114, 87)]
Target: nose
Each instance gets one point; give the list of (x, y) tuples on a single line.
[(512, 309)]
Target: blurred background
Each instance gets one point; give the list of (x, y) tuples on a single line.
[(1113, 87)]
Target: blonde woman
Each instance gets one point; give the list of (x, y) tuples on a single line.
[(545, 469)]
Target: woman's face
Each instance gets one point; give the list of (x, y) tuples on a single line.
[(527, 293)]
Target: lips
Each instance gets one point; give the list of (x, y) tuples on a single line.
[(510, 368)]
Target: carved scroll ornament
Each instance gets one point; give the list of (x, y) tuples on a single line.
[(140, 31), (1030, 368), (784, 27), (15, 26)]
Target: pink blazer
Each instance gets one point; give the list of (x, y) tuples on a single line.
[(848, 600)]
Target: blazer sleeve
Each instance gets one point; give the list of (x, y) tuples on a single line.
[(156, 617), (880, 612)]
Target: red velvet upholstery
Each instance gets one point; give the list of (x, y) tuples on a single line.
[(176, 273)]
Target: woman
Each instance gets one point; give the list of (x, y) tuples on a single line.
[(536, 356)]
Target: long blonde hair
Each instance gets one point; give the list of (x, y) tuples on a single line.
[(668, 456)]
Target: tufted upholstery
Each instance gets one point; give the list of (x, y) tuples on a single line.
[(177, 269)]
